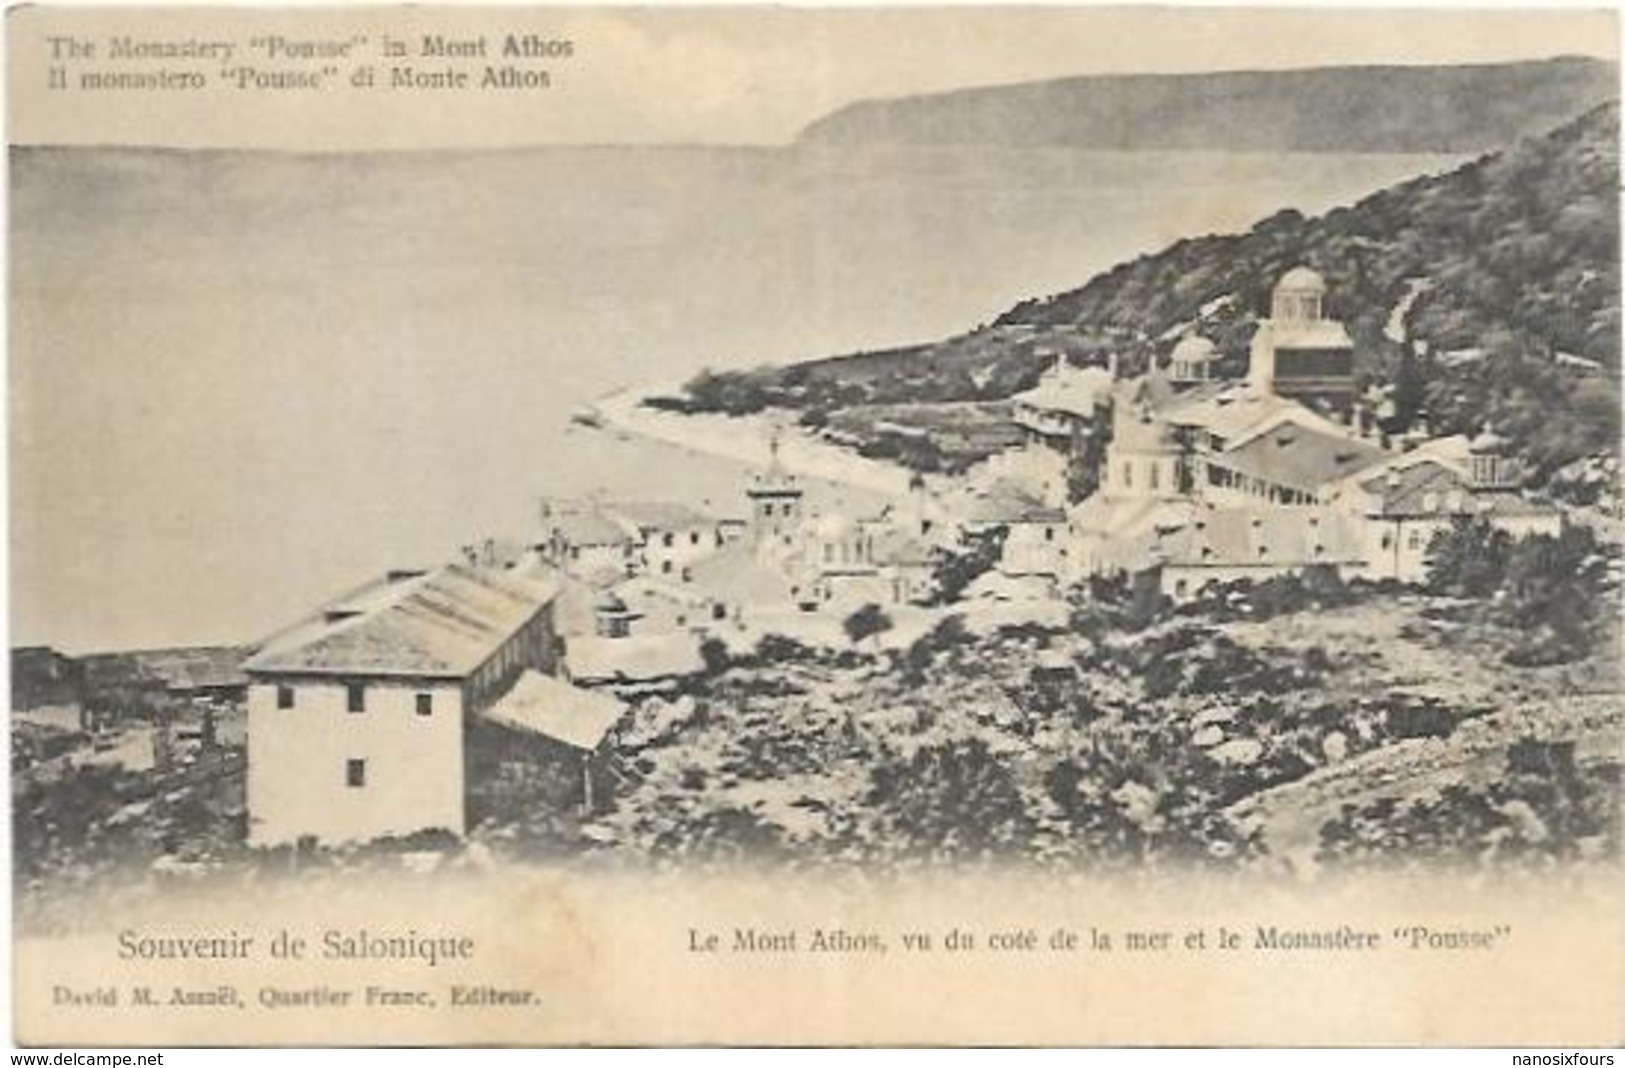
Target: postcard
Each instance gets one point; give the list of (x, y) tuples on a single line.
[(757, 525)]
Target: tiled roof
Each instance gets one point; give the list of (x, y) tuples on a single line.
[(1076, 391), (1449, 452), (443, 624), (1300, 457), (1430, 488), (553, 708), (1237, 410)]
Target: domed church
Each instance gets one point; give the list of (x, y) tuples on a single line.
[(1298, 352)]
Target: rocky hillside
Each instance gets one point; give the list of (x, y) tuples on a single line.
[(1454, 109), (1506, 269)]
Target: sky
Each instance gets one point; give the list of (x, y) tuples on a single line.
[(720, 75)]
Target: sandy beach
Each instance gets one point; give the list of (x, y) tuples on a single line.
[(749, 440)]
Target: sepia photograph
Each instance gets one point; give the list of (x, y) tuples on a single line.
[(748, 525)]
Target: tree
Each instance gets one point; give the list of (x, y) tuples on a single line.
[(951, 800), (982, 550), (866, 622), (948, 634), (1410, 392), (1555, 588), (1469, 559), (714, 655)]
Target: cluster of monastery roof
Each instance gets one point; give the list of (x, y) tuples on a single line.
[(1263, 480)]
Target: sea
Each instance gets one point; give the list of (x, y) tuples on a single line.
[(242, 382)]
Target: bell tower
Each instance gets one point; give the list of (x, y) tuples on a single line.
[(776, 500)]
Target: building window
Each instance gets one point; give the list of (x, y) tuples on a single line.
[(694, 537), (1128, 473), (284, 696), (1156, 473), (1414, 541), (1387, 541), (665, 567), (355, 697), (667, 539), (425, 704), (1049, 533), (355, 773)]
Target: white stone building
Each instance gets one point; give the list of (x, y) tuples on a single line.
[(1069, 406), (1220, 545), (1405, 503), (356, 715)]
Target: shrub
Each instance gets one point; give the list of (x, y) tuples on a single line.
[(866, 622)]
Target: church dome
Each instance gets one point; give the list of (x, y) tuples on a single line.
[(1487, 443), (1302, 280), (1194, 348)]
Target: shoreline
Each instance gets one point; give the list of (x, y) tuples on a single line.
[(748, 440)]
